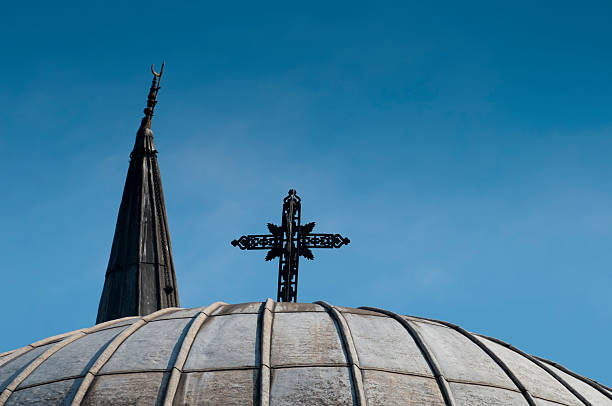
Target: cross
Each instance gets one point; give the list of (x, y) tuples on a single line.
[(288, 242)]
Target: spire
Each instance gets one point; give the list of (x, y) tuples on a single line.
[(140, 277)]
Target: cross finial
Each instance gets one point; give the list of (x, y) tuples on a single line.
[(288, 242)]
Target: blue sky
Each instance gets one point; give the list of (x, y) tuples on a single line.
[(465, 150)]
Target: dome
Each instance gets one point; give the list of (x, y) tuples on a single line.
[(284, 354)]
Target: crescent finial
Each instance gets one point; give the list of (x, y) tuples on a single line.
[(160, 72)]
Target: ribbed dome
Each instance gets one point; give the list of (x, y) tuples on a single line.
[(284, 354)]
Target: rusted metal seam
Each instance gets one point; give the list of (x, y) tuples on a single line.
[(265, 342), (351, 352), (601, 388), (493, 356), (541, 365), (186, 344), (62, 342), (427, 354), (110, 350)]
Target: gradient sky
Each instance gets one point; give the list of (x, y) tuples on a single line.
[(465, 150)]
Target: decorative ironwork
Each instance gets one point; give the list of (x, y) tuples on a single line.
[(289, 242)]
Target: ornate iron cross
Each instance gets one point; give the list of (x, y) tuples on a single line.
[(288, 242)]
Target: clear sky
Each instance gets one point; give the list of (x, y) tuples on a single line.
[(465, 150)]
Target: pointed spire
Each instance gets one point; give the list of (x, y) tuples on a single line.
[(140, 277)]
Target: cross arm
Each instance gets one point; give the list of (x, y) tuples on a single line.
[(324, 241), (256, 242)]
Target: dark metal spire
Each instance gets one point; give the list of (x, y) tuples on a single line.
[(140, 277)]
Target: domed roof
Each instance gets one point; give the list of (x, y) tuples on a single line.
[(284, 354)]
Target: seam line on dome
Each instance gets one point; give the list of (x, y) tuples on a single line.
[(265, 343), (61, 341), (427, 354), (10, 388), (515, 390), (598, 386), (350, 351), (110, 350), (493, 356), (539, 363), (186, 344)]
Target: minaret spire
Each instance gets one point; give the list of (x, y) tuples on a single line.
[(140, 277)]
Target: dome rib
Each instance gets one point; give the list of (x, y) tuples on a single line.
[(493, 356), (110, 350), (11, 355), (350, 352), (10, 388), (181, 358), (62, 339), (265, 342), (541, 365), (598, 386), (428, 355)]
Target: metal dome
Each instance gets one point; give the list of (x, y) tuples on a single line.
[(284, 354)]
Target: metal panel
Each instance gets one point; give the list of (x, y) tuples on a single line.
[(283, 307), (182, 314), (12, 368), (252, 307), (305, 339), (73, 360), (535, 379), (136, 389), (461, 359), (477, 395), (544, 402), (383, 343), (311, 386), (590, 393), (55, 393), (227, 388), (127, 322), (389, 389), (224, 342), (150, 348)]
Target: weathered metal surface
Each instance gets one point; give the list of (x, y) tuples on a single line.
[(247, 308), (224, 342), (54, 393), (535, 379), (140, 277), (289, 242), (134, 389), (478, 395), (591, 394), (305, 339), (428, 355), (152, 348), (300, 355), (12, 368), (185, 348), (349, 352), (311, 386), (393, 389), (111, 348), (231, 388), (284, 307), (461, 359), (383, 343), (182, 314), (543, 402), (73, 360)]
